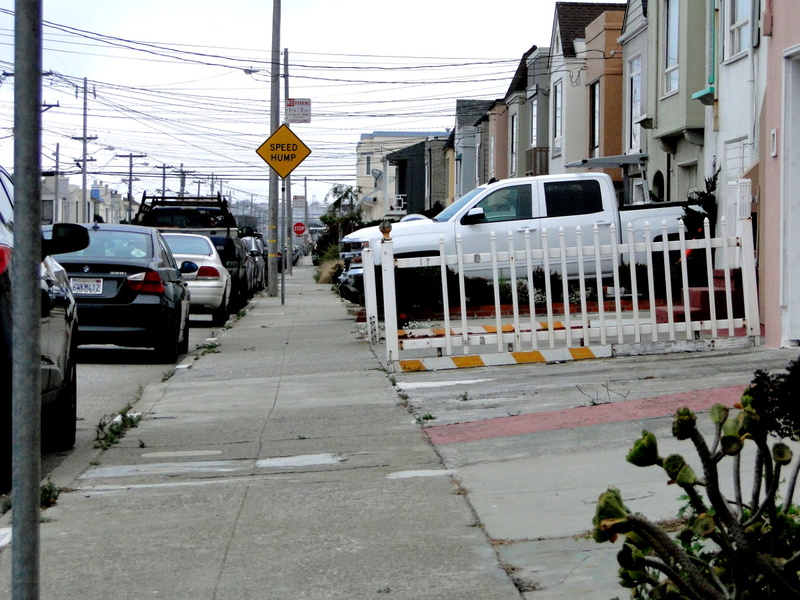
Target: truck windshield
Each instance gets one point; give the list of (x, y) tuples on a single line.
[(456, 206)]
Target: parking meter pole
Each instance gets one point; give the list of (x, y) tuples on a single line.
[(26, 298)]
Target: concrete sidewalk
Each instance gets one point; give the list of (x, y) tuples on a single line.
[(278, 466), (287, 464)]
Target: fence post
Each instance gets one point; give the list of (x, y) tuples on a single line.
[(749, 284), (389, 303), (370, 296)]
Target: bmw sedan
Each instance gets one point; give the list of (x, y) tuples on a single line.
[(130, 291), (58, 325), (210, 286)]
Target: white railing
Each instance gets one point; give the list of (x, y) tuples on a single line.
[(617, 322)]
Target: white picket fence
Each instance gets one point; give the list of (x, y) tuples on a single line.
[(617, 323)]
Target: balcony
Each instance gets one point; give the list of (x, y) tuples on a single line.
[(537, 161), (397, 206)]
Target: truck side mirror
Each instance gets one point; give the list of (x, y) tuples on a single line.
[(474, 215)]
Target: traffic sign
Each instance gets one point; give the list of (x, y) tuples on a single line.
[(283, 151), (299, 228), (298, 110)]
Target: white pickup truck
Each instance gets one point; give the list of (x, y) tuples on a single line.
[(534, 204)]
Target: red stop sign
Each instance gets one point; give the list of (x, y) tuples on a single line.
[(299, 228)]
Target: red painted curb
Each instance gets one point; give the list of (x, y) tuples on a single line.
[(584, 416)]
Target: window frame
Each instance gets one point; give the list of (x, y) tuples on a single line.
[(594, 119), (736, 42), (670, 80), (634, 134), (558, 121)]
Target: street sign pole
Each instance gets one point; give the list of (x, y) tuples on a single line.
[(275, 102)]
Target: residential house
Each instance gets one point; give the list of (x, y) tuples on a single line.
[(493, 159), (569, 92), (375, 176), (677, 70), (537, 105), (518, 120), (466, 142), (449, 151), (779, 175), (419, 177)]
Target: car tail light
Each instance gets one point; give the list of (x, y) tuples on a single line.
[(208, 273), (5, 258), (146, 282)]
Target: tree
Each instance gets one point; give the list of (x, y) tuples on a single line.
[(343, 215)]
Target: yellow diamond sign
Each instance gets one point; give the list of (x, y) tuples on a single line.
[(283, 151)]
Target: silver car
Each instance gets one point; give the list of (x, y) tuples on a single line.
[(210, 286)]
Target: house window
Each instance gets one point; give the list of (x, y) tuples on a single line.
[(513, 145), (738, 24), (534, 104), (558, 98), (369, 165), (594, 116), (671, 22), (737, 158), (634, 103)]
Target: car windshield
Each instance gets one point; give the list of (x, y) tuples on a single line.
[(187, 244), (105, 243), (456, 206)]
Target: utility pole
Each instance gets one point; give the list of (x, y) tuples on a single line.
[(26, 299), (164, 178), (198, 182), (85, 211), (288, 212), (55, 186), (275, 102), (183, 173), (130, 157)]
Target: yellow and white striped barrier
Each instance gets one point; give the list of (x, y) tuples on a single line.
[(553, 355)]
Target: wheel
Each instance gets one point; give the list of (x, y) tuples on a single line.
[(220, 314), (166, 347), (183, 346), (59, 424)]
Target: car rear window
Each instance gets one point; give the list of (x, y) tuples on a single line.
[(185, 244), (115, 244)]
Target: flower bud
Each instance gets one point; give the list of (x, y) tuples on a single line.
[(719, 414), (644, 452), (684, 424), (673, 465), (703, 525), (781, 454)]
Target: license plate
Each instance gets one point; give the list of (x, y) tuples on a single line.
[(86, 286)]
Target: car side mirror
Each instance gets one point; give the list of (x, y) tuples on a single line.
[(66, 237), (230, 264), (188, 266), (474, 215), (255, 253)]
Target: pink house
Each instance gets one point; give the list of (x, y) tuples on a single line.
[(779, 191)]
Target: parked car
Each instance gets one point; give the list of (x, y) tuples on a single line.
[(236, 259), (57, 335), (255, 246), (130, 291), (210, 286)]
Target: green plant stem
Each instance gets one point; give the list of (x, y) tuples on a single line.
[(672, 574), (737, 483), (790, 488), (666, 548), (757, 477)]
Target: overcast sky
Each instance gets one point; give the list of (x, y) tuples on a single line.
[(188, 82)]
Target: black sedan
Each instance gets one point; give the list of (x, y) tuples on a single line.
[(130, 291), (57, 335)]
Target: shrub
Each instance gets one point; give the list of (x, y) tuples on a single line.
[(730, 546)]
